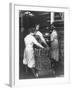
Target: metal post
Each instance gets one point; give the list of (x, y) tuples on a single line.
[(52, 17)]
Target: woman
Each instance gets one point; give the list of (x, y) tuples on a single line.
[(29, 58), (54, 44)]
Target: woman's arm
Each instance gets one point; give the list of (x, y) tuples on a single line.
[(36, 43), (41, 37)]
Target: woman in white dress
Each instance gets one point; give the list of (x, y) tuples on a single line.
[(29, 58), (54, 44)]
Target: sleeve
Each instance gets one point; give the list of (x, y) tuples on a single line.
[(41, 36), (36, 43)]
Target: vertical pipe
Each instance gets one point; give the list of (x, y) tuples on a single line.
[(52, 17)]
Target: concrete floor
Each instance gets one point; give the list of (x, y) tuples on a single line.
[(59, 72)]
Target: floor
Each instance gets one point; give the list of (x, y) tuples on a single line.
[(59, 72)]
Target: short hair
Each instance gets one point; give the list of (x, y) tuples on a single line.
[(51, 27)]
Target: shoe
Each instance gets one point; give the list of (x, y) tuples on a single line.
[(36, 75)]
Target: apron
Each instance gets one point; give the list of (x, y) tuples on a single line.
[(55, 50)]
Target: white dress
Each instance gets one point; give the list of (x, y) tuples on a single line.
[(29, 59), (54, 46)]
